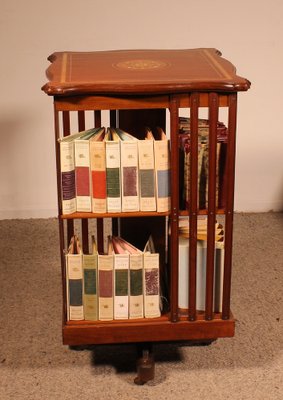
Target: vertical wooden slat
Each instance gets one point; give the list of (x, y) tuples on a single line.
[(193, 205), (59, 191), (60, 221), (66, 123), (213, 118), (81, 120), (97, 118), (99, 221), (114, 123), (66, 132), (230, 168), (174, 240), (113, 118), (84, 221)]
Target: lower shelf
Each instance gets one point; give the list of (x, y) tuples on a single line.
[(146, 330)]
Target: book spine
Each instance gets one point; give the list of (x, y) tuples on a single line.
[(82, 168), (105, 287), (162, 170), (113, 178), (90, 287), (68, 181), (146, 175), (121, 286), (136, 286), (129, 167), (75, 286), (98, 176), (151, 285)]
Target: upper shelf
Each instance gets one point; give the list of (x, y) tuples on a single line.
[(141, 72)]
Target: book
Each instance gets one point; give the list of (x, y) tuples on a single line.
[(90, 300), (121, 280), (98, 171), (147, 196), (82, 170), (151, 281), (162, 171), (136, 306), (105, 287), (183, 280), (74, 281), (67, 171), (129, 171), (113, 171)]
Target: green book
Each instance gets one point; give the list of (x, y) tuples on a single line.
[(113, 166), (90, 300)]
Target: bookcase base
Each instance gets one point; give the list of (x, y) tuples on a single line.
[(138, 331)]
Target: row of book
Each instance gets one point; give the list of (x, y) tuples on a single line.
[(203, 162), (109, 170), (122, 284)]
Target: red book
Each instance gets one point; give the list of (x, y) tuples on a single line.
[(82, 179)]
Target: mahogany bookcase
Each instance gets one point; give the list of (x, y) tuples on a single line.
[(137, 87)]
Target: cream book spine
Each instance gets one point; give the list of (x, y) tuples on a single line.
[(151, 285), (136, 309), (105, 287), (82, 168), (162, 171), (130, 178), (68, 184), (146, 175), (121, 286), (113, 174), (90, 300), (98, 176), (74, 276)]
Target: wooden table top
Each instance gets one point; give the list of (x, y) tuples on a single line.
[(133, 72)]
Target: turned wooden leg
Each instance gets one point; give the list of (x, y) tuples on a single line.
[(145, 364)]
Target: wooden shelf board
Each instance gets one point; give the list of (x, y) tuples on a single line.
[(142, 330), (201, 212), (81, 215)]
